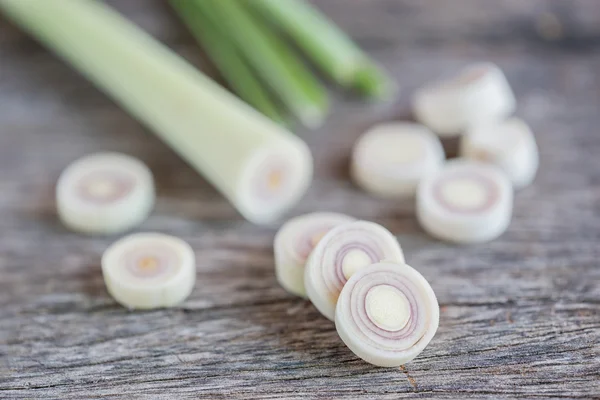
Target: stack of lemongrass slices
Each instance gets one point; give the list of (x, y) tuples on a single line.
[(355, 274), (466, 200)]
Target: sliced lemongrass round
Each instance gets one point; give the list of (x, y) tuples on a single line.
[(387, 314), (479, 94), (509, 144), (295, 241), (389, 160), (344, 250), (465, 202), (149, 270), (104, 193)]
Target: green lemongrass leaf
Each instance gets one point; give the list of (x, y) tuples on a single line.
[(227, 58), (273, 60), (328, 46)]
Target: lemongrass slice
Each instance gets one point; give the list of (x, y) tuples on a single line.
[(104, 193), (260, 167), (149, 270), (465, 202), (480, 94), (295, 241), (390, 159), (509, 144), (339, 254), (387, 314)]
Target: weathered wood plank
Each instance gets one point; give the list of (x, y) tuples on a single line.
[(520, 316)]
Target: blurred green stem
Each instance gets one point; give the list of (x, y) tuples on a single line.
[(227, 58), (273, 60), (329, 47)]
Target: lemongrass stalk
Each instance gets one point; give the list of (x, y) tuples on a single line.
[(273, 60), (259, 166), (330, 48), (227, 58)]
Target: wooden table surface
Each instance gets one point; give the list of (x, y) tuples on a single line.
[(520, 316)]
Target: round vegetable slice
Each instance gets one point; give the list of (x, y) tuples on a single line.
[(465, 202), (509, 144), (104, 193), (340, 253), (295, 241), (389, 160), (387, 314), (271, 180), (149, 270), (479, 94)]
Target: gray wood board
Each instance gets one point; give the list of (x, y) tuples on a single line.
[(520, 317)]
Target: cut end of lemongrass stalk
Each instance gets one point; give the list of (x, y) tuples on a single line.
[(390, 159), (104, 193), (295, 241), (387, 314), (465, 202), (149, 270), (273, 180), (343, 251)]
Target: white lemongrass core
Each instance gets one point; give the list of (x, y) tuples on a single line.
[(400, 151), (295, 241), (353, 261), (387, 307), (464, 193), (342, 253), (102, 188), (149, 270)]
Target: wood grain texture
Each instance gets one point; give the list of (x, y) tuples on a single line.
[(520, 317)]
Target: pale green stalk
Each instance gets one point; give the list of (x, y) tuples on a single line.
[(229, 142)]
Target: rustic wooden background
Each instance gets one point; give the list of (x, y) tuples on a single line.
[(520, 316)]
